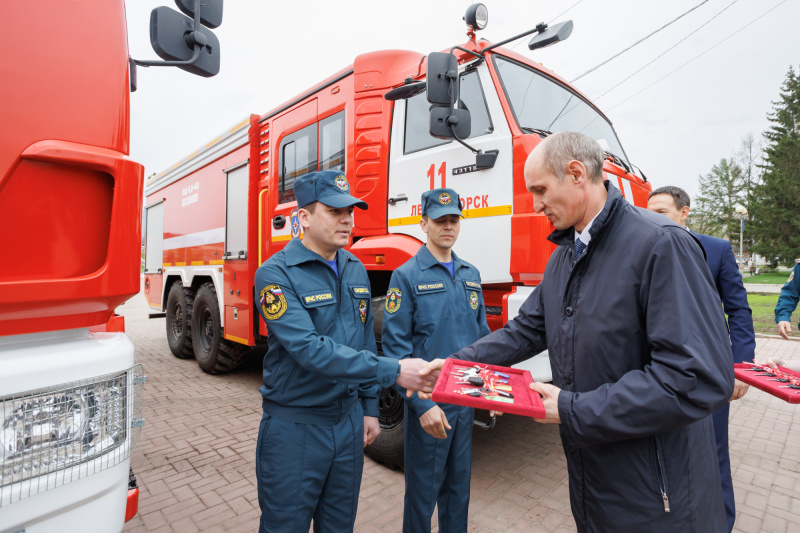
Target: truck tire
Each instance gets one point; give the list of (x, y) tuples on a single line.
[(179, 320), (214, 354), (387, 449)]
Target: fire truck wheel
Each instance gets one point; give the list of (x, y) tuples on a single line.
[(179, 320), (387, 449), (213, 353)]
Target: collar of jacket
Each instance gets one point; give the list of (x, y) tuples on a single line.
[(566, 237), (426, 259), (296, 253)]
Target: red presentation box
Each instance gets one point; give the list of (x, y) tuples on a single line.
[(770, 387), (525, 402)]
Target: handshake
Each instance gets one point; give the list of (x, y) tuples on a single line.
[(418, 375)]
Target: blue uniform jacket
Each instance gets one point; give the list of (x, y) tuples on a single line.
[(432, 315), (790, 295), (728, 281), (322, 351)]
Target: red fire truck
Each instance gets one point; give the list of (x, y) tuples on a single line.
[(70, 210), (215, 216)]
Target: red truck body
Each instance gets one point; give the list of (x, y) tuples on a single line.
[(70, 198), (190, 234)]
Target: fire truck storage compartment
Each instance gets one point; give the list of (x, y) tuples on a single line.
[(154, 237), (236, 211)]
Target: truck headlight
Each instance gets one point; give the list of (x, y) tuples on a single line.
[(53, 430)]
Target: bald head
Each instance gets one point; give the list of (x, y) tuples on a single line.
[(564, 175), (555, 153)]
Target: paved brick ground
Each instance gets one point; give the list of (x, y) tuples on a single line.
[(195, 460)]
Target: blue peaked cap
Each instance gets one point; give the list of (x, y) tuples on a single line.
[(329, 187)]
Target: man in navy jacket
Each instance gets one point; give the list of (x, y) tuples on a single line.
[(674, 203), (638, 346)]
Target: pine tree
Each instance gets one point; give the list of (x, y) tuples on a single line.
[(775, 208), (721, 190)]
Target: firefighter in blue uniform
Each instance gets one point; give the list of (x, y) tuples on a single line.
[(322, 376), (435, 306), (787, 302)]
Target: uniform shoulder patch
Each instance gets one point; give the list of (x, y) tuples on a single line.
[(362, 310), (273, 302), (393, 299), (791, 277)]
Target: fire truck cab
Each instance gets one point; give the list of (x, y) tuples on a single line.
[(70, 212), (215, 216)]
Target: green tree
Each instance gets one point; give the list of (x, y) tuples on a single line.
[(775, 204), (721, 190)]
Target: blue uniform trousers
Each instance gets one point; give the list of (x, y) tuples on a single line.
[(309, 470), (438, 471), (720, 418)]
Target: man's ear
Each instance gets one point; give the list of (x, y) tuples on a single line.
[(423, 225), (576, 171), (684, 213), (303, 216)]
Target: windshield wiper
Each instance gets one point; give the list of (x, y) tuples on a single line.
[(618, 161), (537, 131)]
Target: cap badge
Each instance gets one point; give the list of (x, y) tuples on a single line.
[(341, 182), (445, 199)]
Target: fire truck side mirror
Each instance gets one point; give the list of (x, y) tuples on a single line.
[(552, 35), (182, 43), (442, 74), (210, 11), (444, 120)]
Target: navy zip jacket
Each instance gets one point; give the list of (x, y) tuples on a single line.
[(322, 350), (639, 347)]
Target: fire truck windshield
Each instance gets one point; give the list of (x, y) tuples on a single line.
[(541, 104)]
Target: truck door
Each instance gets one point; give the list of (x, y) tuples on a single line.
[(419, 162), (296, 136)]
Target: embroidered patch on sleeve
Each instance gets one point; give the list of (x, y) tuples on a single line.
[(362, 310), (393, 299), (273, 302)]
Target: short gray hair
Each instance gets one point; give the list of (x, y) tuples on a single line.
[(565, 146), (679, 195)]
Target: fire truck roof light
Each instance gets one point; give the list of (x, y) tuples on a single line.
[(477, 17)]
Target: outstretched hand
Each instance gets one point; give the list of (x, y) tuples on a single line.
[(414, 377), (428, 370)]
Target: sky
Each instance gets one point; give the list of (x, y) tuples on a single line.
[(696, 112)]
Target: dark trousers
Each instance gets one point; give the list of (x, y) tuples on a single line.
[(437, 471), (306, 471), (720, 418)]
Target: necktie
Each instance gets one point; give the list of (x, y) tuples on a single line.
[(579, 248)]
